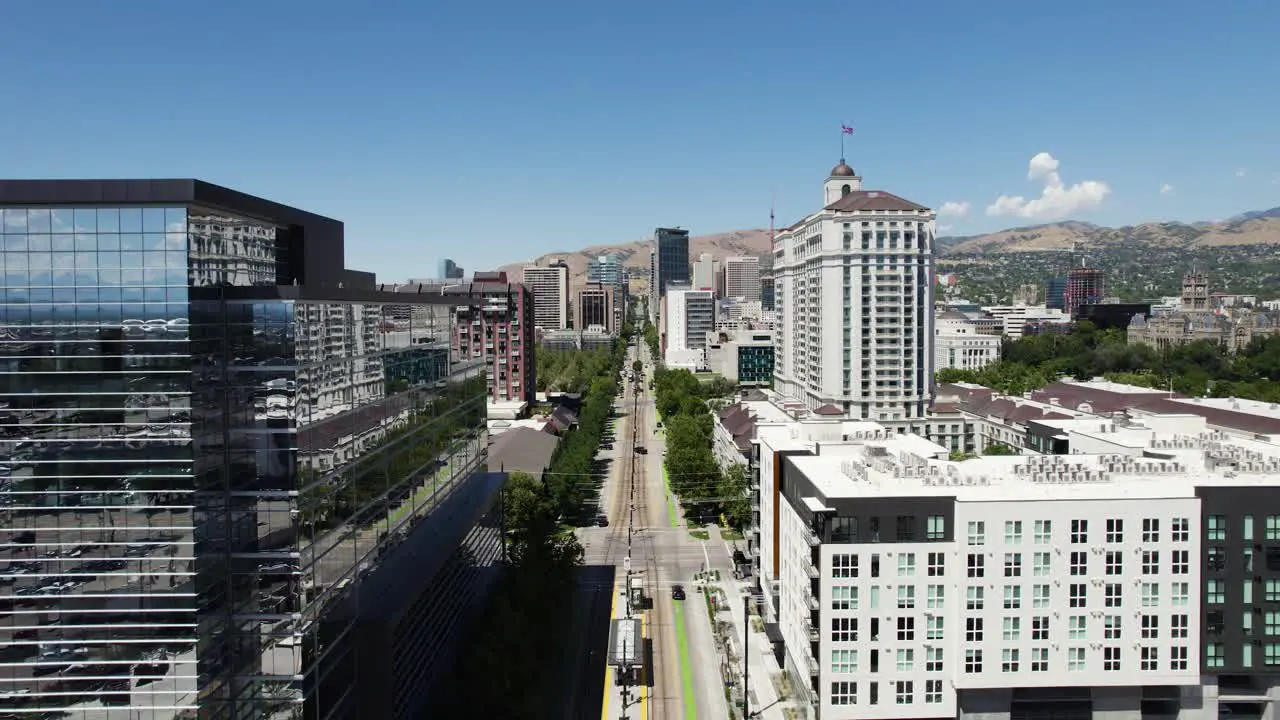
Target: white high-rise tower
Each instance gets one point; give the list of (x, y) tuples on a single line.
[(854, 295)]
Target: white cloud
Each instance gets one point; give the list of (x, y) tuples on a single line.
[(1166, 189), (954, 209), (1056, 200), (1241, 172)]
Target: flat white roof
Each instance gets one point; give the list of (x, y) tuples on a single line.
[(1252, 407), (1115, 387)]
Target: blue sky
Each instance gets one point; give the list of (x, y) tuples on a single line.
[(491, 132)]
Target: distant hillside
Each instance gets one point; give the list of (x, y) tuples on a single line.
[(1252, 228), (636, 254)]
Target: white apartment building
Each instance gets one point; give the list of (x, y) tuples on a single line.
[(742, 278), (854, 291), (549, 286), (959, 345), (689, 316), (1123, 581)]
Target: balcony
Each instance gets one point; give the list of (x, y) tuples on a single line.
[(812, 662), (814, 604), (814, 574), (811, 536)]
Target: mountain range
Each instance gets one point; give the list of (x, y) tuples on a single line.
[(1259, 227)]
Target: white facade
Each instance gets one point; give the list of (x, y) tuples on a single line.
[(742, 278), (550, 289), (1044, 571), (704, 272), (959, 345), (690, 314), (1016, 317), (854, 291)]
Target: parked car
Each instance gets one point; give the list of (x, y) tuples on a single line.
[(677, 592)]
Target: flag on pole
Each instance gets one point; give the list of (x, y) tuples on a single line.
[(846, 129)]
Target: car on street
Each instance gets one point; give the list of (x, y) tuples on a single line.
[(641, 450), (677, 592), (602, 520)]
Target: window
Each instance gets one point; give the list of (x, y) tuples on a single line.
[(935, 528), (1012, 597), (1150, 530), (1040, 628), (1115, 562), (1270, 655), (973, 598), (906, 527), (844, 692), (1113, 596), (1216, 528), (844, 597), (1111, 658), (1043, 564), (973, 629), (1247, 527), (1216, 559), (873, 691), (1150, 594), (1215, 592), (906, 628), (844, 629), (1039, 596), (1150, 658), (1178, 626), (1214, 656), (906, 597), (1039, 659), (1181, 562), (1075, 659), (933, 628), (1179, 593), (904, 692), (1012, 532), (1009, 660), (1115, 530), (977, 533), (937, 564), (844, 566), (933, 691), (1271, 591), (1012, 629), (973, 661), (935, 596), (844, 661), (1150, 562), (1271, 528), (875, 565), (906, 660), (1180, 530), (906, 564), (976, 564), (1043, 532), (1111, 627), (1012, 564), (1079, 597), (1076, 628), (1178, 657), (1150, 627), (1079, 563), (933, 659), (1079, 532), (1272, 623)]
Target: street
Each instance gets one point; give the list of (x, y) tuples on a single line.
[(681, 678)]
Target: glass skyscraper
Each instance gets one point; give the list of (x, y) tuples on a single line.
[(221, 455), (671, 249)]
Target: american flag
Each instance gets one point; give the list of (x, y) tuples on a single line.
[(846, 129)]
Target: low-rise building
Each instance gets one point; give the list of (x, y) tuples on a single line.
[(958, 345), (744, 357)]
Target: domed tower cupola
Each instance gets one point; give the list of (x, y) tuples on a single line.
[(842, 181)]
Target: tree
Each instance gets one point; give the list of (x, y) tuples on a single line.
[(999, 448), (637, 366)]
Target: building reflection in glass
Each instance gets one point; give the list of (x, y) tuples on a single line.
[(191, 484)]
